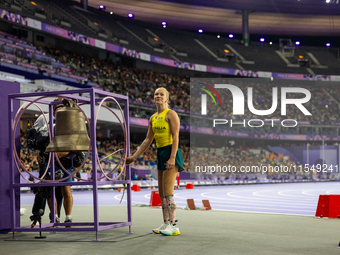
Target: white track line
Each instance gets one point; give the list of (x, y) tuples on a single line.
[(256, 200), (276, 197)]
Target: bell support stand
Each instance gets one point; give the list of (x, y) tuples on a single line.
[(95, 97)]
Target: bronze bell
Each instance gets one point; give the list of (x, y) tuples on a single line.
[(70, 131)]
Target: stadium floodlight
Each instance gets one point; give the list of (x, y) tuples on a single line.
[(200, 31), (111, 12), (218, 36), (297, 43), (231, 36), (102, 7), (131, 15), (262, 39), (328, 44)]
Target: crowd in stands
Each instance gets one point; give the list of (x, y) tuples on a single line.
[(148, 158), (107, 148), (28, 156), (202, 158), (235, 156), (139, 84), (31, 58)]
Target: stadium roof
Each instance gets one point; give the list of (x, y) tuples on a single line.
[(283, 17)]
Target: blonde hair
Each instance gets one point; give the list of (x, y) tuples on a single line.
[(168, 95)]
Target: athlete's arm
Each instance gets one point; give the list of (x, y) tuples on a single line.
[(144, 146)]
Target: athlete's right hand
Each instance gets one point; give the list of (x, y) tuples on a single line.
[(129, 160)]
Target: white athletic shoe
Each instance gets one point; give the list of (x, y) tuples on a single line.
[(171, 230), (162, 227)]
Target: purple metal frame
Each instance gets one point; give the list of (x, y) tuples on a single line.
[(96, 225)]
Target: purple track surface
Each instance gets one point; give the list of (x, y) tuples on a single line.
[(287, 198)]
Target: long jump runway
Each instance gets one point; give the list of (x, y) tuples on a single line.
[(285, 198)]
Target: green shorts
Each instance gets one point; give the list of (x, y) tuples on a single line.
[(163, 155)]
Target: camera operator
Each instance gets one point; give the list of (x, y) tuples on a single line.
[(44, 193), (61, 191)]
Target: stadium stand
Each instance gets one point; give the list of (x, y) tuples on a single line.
[(139, 83), (102, 25)]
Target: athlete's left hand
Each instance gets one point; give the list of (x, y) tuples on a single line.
[(170, 164)]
